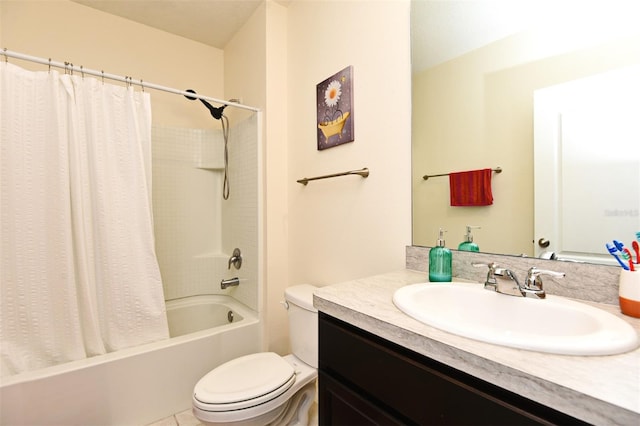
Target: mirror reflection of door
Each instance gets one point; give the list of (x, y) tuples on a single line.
[(587, 135)]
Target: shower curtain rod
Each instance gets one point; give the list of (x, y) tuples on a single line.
[(128, 80)]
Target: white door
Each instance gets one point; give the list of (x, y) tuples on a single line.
[(587, 165)]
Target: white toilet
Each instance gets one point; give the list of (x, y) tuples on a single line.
[(266, 388)]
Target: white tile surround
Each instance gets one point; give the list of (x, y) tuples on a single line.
[(597, 389), (187, 223), (196, 230)]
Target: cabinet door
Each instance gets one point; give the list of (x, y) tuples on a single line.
[(342, 406), (409, 387)]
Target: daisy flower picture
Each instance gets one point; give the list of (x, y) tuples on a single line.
[(334, 103)]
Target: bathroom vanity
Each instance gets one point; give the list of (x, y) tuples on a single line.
[(379, 366)]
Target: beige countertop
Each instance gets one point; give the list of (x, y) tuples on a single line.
[(596, 389)]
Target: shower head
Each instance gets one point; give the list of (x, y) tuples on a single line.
[(215, 112)]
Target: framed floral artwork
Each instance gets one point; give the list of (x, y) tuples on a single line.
[(334, 103)]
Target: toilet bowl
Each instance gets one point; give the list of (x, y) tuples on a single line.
[(266, 388)]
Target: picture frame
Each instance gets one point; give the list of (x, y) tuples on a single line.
[(334, 103)]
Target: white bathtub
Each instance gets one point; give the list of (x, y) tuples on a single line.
[(135, 386)]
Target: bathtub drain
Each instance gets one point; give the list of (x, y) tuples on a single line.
[(230, 316)]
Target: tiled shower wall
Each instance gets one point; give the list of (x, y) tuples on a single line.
[(240, 211), (195, 229)]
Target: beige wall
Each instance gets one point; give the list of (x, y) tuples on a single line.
[(345, 228), (256, 70), (476, 111), (276, 175), (67, 31), (349, 227), (330, 230)]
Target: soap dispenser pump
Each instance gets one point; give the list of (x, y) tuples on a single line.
[(440, 261), (468, 244)]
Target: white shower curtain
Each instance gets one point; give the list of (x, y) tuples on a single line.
[(78, 272)]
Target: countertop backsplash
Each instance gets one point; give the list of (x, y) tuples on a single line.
[(596, 283)]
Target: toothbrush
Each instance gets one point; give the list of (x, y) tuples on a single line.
[(621, 249), (630, 259), (618, 244), (622, 252), (626, 254), (614, 252), (636, 248)]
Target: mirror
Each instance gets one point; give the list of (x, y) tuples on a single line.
[(477, 65)]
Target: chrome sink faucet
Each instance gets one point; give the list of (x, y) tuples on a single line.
[(533, 282), (504, 281)]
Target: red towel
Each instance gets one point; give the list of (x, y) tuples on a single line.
[(471, 188)]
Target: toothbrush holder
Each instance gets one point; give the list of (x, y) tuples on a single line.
[(629, 293)]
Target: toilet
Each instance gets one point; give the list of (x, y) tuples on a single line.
[(266, 388)]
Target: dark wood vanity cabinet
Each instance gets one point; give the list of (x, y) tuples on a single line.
[(367, 380)]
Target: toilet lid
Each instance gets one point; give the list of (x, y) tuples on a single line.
[(245, 381)]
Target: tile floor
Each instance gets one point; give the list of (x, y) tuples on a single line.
[(186, 418)]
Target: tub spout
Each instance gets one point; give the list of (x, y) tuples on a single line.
[(231, 282)]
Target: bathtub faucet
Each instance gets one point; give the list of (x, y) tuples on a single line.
[(236, 259), (231, 282)]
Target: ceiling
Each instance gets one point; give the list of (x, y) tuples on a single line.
[(212, 22), (441, 29)]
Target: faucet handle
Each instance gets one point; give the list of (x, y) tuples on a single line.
[(490, 282), (236, 259), (491, 265), (534, 282)]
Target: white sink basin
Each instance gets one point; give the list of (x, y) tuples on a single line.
[(554, 325)]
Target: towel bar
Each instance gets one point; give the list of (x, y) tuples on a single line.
[(425, 177), (363, 172)]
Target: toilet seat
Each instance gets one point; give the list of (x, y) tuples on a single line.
[(244, 382)]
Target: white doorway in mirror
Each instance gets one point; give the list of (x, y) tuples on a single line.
[(587, 165)]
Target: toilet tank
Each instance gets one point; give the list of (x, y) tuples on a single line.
[(303, 323)]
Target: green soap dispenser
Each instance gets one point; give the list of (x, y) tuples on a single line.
[(440, 261), (468, 244)]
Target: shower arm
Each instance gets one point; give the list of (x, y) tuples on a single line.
[(215, 112)]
